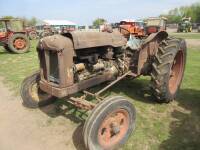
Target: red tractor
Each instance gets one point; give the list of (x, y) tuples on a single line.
[(13, 37)]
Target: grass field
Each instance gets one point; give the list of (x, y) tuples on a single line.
[(186, 35), (159, 126)]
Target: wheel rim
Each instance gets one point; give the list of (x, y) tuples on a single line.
[(19, 43), (37, 94), (176, 72), (113, 128)]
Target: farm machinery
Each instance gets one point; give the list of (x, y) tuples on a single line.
[(155, 24), (13, 37), (32, 33), (129, 26), (47, 31), (74, 62), (185, 25)]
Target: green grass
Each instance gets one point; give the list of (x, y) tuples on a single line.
[(186, 35), (159, 126), (14, 67)]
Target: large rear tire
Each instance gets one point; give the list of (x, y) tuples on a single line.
[(168, 69), (110, 124), (32, 95), (19, 43)]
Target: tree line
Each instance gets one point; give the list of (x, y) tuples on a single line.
[(175, 15)]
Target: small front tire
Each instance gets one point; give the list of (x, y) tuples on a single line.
[(110, 124), (32, 95)]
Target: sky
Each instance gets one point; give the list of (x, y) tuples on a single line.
[(83, 12)]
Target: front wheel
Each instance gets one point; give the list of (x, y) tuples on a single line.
[(32, 95), (110, 124), (168, 69)]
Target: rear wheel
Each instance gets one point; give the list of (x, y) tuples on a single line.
[(32, 95), (110, 124), (19, 43), (168, 69)]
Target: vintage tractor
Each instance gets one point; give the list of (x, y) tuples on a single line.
[(155, 24), (13, 37), (47, 31), (185, 25), (129, 26), (74, 62), (32, 33)]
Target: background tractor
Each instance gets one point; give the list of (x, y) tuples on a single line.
[(74, 62), (132, 27), (47, 31), (13, 37), (185, 25), (155, 24), (32, 33)]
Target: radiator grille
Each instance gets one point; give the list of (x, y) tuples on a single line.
[(53, 67)]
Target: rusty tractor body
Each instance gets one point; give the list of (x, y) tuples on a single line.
[(13, 36), (75, 62), (155, 24)]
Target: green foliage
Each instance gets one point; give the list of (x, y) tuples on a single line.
[(27, 22), (30, 22), (99, 21), (175, 15), (7, 17)]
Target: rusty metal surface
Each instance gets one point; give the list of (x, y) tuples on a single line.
[(146, 52), (159, 35), (112, 83), (83, 40), (66, 91), (63, 47), (149, 48), (81, 103)]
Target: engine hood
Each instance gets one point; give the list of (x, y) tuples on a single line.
[(83, 39)]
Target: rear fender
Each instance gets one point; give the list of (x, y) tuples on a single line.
[(149, 48)]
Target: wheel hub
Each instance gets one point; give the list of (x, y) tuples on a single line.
[(19, 43), (113, 128)]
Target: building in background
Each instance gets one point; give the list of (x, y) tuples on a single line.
[(59, 25)]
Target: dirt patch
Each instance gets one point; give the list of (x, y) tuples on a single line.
[(193, 43), (25, 129)]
